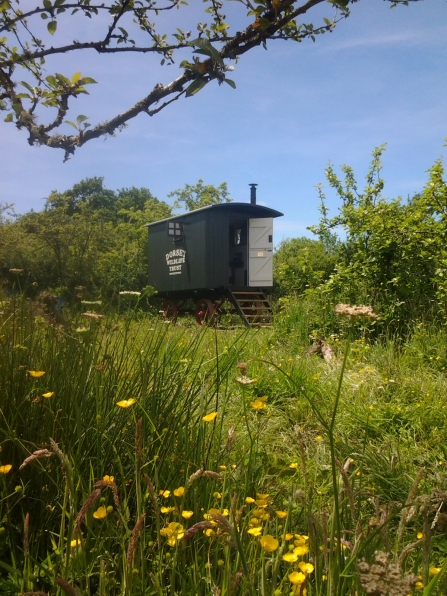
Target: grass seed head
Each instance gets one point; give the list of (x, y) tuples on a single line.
[(91, 499), (384, 578), (194, 477), (134, 539), (66, 587), (193, 530), (40, 453)]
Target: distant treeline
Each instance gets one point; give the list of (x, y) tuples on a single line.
[(393, 254)]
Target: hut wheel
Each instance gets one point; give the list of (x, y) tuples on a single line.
[(205, 312), (170, 310)]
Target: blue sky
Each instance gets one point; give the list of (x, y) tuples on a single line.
[(380, 77)]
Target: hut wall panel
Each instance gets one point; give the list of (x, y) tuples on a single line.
[(217, 267)]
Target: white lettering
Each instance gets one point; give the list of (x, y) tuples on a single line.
[(175, 260)]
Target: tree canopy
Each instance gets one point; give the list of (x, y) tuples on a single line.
[(87, 237), (28, 38), (195, 196)]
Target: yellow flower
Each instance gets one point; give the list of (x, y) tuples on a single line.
[(287, 536), (419, 586), (300, 551), (209, 417), (297, 578), (5, 469), (36, 373), (126, 403), (306, 567), (300, 539), (209, 516), (262, 496), (257, 531), (419, 535), (167, 509), (165, 493), (261, 502), (258, 404), (75, 542), (100, 513), (180, 491), (319, 438), (269, 543), (434, 570), (174, 532), (293, 465), (48, 395), (281, 514), (290, 557), (217, 495), (187, 514), (109, 479), (208, 532), (249, 500), (222, 467)]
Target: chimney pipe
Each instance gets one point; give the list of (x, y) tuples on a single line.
[(253, 193)]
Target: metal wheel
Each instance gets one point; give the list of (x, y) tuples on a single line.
[(205, 312), (170, 310)]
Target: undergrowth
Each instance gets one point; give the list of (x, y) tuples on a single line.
[(139, 457)]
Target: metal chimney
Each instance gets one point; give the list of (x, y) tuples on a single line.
[(253, 193)]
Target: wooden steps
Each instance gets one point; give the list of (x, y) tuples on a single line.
[(252, 306)]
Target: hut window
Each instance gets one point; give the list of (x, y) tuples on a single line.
[(237, 236), (175, 230)]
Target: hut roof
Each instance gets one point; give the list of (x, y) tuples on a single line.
[(242, 209)]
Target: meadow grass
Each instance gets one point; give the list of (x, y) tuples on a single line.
[(168, 460)]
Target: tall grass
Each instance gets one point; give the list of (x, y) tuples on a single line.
[(133, 486)]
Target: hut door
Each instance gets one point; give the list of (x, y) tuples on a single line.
[(260, 248)]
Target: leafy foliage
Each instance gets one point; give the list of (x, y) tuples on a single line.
[(88, 236), (302, 263), (195, 196), (132, 27), (394, 254)]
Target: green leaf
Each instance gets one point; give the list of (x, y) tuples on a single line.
[(47, 4), (80, 119), (51, 80), (25, 84), (231, 83), (75, 78), (205, 46), (52, 26), (195, 87), (9, 118), (43, 15), (263, 23), (4, 6), (71, 124), (87, 81)]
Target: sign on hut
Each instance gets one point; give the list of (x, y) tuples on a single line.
[(212, 255)]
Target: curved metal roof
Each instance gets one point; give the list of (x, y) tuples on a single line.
[(240, 209)]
